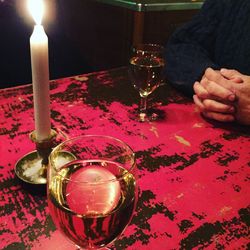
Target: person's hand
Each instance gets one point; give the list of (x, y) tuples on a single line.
[(214, 96), (242, 91), (220, 91)]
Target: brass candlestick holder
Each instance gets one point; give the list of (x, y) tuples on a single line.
[(32, 167)]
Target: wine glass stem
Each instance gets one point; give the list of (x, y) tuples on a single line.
[(143, 105)]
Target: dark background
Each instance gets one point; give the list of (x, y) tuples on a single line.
[(84, 36)]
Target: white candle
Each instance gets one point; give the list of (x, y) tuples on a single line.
[(40, 72)]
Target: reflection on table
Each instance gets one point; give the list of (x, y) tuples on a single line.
[(194, 174)]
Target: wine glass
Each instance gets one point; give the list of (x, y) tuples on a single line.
[(92, 189), (146, 66)]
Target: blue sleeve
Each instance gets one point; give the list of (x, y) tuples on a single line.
[(190, 50)]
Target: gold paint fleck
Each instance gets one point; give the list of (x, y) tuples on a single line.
[(155, 131), (225, 210), (81, 78), (181, 140), (180, 195), (198, 125), (199, 186), (20, 99)]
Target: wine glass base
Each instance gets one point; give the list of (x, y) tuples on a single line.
[(148, 116)]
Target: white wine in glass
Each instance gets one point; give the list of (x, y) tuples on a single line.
[(92, 195), (146, 73)]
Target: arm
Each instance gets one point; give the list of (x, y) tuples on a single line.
[(190, 50)]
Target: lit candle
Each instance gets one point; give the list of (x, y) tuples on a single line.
[(40, 72)]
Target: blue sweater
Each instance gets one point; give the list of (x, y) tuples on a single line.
[(218, 36)]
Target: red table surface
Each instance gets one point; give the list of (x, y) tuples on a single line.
[(193, 174)]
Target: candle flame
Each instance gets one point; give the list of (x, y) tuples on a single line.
[(36, 9)]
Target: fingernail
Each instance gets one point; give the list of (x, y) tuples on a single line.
[(231, 97), (237, 80), (231, 109)]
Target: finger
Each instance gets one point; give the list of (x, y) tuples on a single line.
[(229, 73), (215, 106), (237, 80), (217, 91), (217, 77), (232, 74), (219, 116), (198, 102), (200, 91), (213, 75), (203, 77)]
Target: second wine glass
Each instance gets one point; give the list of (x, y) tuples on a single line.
[(146, 66)]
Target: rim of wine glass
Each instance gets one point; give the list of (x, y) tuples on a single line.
[(138, 47), (133, 163)]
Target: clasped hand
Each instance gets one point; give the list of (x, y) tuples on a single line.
[(224, 95)]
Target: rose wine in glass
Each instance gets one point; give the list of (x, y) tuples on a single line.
[(92, 196), (146, 73)]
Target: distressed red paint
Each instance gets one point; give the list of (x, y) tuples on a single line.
[(194, 174)]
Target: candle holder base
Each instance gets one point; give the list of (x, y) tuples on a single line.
[(32, 167)]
